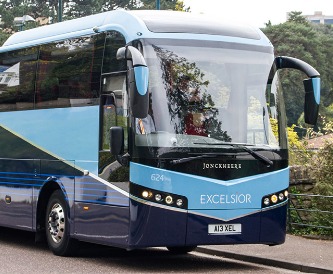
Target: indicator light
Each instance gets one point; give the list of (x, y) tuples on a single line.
[(158, 197), (146, 194), (179, 202), (168, 200), (274, 198), (266, 202)]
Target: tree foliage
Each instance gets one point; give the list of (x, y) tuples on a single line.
[(3, 37), (164, 5), (9, 9), (311, 43), (321, 163)]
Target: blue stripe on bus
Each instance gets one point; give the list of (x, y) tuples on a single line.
[(14, 193), (23, 179), (39, 175), (17, 173), (20, 194), (101, 196), (98, 202), (22, 184), (47, 176), (43, 180), (93, 189)]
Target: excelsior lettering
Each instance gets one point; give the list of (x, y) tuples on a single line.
[(226, 199)]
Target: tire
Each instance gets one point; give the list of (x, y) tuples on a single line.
[(57, 225), (181, 249)]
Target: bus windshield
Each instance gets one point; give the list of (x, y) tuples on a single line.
[(205, 93)]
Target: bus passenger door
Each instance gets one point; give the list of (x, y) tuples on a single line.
[(102, 206)]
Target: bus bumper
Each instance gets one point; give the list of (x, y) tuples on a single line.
[(160, 226), (264, 226)]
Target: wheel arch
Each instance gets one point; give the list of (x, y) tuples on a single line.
[(44, 195)]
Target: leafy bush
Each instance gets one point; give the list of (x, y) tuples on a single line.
[(321, 162)]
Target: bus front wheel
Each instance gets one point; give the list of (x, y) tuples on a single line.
[(56, 224)]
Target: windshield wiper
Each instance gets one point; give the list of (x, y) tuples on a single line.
[(255, 154), (221, 144), (184, 160), (258, 156)]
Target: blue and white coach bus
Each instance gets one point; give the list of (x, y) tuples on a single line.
[(144, 129)]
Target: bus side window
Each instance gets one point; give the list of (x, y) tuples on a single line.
[(113, 86), (113, 112), (114, 108), (114, 41), (69, 72), (17, 74), (108, 116)]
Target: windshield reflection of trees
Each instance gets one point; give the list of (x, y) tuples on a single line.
[(191, 107)]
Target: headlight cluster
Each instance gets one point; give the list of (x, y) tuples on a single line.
[(159, 197), (275, 198)]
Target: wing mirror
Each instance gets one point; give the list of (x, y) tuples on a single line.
[(137, 80), (311, 85)]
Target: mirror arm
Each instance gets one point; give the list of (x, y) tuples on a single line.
[(311, 85), (135, 55), (290, 62)]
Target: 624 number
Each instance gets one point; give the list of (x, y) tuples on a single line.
[(157, 177)]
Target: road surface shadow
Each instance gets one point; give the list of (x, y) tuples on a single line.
[(141, 260)]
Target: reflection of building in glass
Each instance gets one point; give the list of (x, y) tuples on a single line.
[(11, 76), (318, 17)]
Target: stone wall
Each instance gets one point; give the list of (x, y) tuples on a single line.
[(301, 181), (302, 178)]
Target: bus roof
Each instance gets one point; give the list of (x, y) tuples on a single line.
[(141, 24)]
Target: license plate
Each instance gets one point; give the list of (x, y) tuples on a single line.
[(224, 228)]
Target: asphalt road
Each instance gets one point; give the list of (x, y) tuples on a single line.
[(20, 254)]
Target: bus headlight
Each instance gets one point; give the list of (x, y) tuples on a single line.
[(146, 194), (274, 198), (266, 201), (169, 200), (142, 193), (158, 197), (179, 202)]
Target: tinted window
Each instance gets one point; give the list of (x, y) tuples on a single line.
[(17, 79), (69, 72), (114, 41), (114, 108)]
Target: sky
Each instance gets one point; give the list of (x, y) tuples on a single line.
[(258, 12)]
